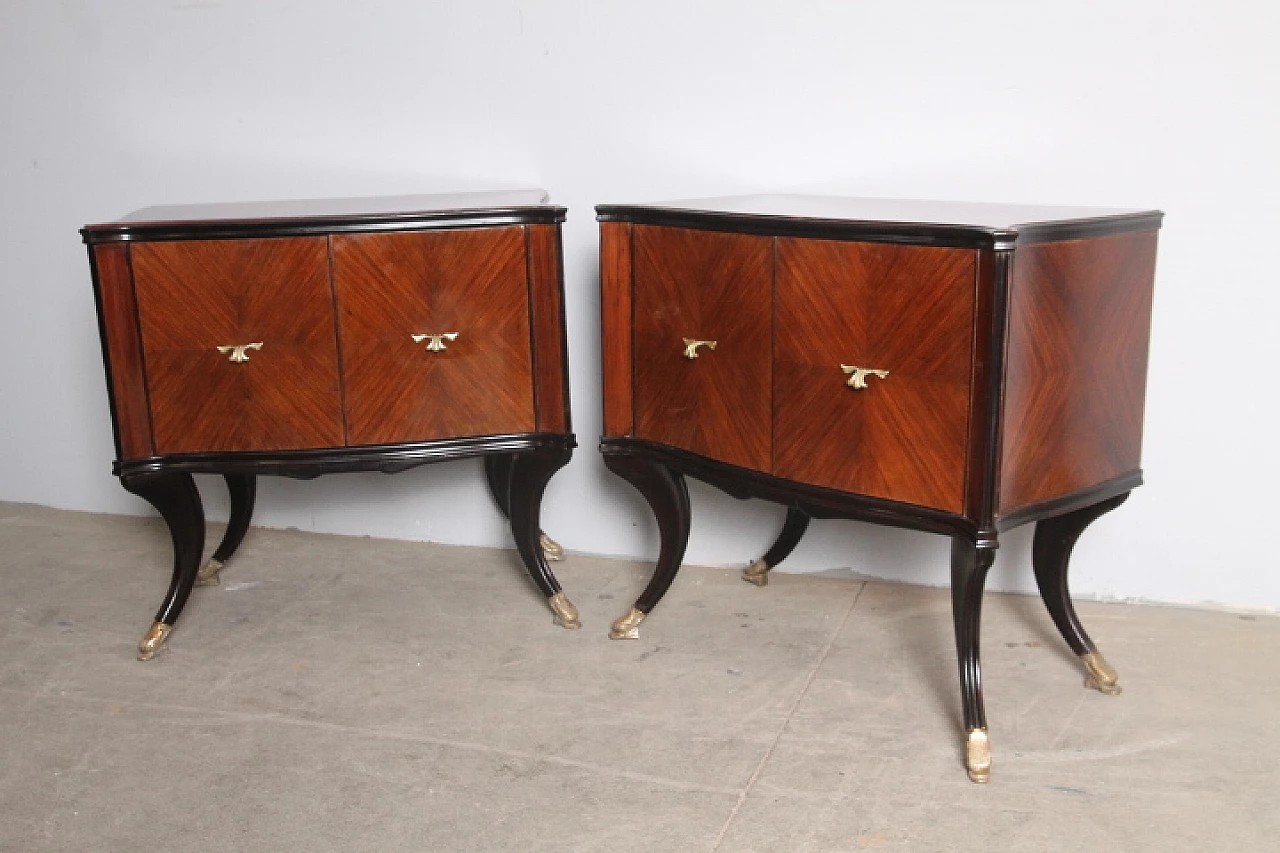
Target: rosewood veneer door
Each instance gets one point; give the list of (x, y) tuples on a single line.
[(902, 309), (197, 296), (704, 286), (471, 282)]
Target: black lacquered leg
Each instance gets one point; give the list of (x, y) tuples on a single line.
[(1051, 553), (244, 491), (668, 497), (175, 496), (530, 473), (792, 529), (969, 565), (497, 470)]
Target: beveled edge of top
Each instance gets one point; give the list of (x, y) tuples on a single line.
[(936, 223), (320, 216)]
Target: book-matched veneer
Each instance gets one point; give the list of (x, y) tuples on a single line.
[(305, 338), (952, 368)]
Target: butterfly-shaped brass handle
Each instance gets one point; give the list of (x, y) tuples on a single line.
[(858, 375), (436, 342), (691, 347), (239, 352)]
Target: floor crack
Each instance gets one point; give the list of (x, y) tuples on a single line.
[(786, 720)]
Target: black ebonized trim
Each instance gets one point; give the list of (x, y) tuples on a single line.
[(306, 464), (1072, 502), (1084, 229), (988, 467), (910, 233), (814, 501), (231, 229)]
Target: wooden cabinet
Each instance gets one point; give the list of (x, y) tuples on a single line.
[(305, 338), (953, 368)]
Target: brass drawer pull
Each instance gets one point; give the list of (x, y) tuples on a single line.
[(436, 341), (691, 347), (239, 352), (858, 375)]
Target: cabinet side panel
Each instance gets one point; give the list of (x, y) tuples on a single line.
[(123, 350), (1075, 383), (616, 326), (546, 301)]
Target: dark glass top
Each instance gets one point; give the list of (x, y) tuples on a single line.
[(337, 208), (328, 216), (997, 217), (937, 223)]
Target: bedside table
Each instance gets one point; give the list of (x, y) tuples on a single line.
[(305, 338), (954, 368)]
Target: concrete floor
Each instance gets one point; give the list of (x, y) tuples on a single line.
[(346, 694)]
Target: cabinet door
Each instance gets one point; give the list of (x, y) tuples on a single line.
[(905, 310), (278, 393), (434, 328), (713, 287)]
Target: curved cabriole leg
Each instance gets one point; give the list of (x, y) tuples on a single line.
[(668, 497), (244, 491), (530, 473), (1050, 554), (792, 529), (497, 470), (969, 565), (175, 496)]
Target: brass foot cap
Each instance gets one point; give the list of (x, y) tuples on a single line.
[(551, 548), (628, 627), (208, 575), (977, 756), (1101, 676), (566, 613), (757, 573), (154, 639)]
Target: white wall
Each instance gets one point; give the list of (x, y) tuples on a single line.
[(108, 106)]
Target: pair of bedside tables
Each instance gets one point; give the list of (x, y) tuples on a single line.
[(953, 368)]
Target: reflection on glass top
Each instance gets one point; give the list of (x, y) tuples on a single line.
[(959, 213), (340, 207)]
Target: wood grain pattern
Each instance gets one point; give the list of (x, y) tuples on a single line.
[(195, 296), (471, 281), (711, 286), (550, 351), (1079, 320), (907, 310), (124, 350), (616, 327)]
